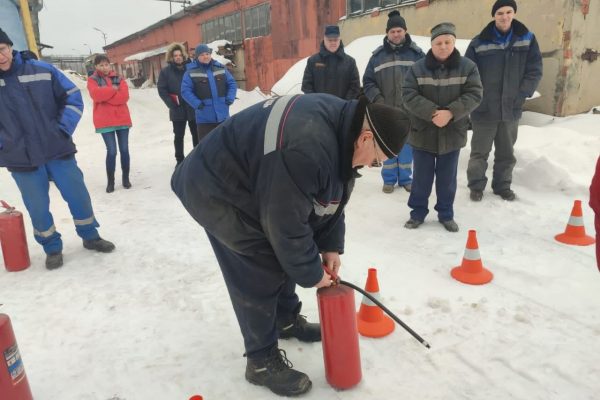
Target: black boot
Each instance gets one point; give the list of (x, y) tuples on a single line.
[(110, 187), (54, 260), (275, 372), (126, 183), (296, 326), (101, 245)]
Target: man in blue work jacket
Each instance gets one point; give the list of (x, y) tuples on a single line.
[(39, 111), (209, 89)]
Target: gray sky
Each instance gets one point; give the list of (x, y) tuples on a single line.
[(68, 24)]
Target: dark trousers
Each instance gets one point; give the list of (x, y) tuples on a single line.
[(427, 166), (260, 293), (204, 129), (179, 131), (503, 135), (110, 140)]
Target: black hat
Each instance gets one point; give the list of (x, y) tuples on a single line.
[(332, 31), (503, 3), (4, 38), (395, 21), (390, 127), (445, 28)]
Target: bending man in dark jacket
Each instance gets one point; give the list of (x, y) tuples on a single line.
[(439, 92), (169, 90), (269, 187), (331, 70), (39, 111), (510, 64)]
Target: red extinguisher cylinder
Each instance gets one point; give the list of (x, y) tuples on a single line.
[(13, 381), (339, 336), (13, 240)]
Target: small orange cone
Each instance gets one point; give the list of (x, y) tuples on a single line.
[(471, 270), (196, 397), (371, 320), (575, 231)]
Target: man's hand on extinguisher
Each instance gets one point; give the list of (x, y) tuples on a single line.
[(331, 259), (325, 281)]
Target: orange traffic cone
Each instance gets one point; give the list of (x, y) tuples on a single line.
[(575, 231), (196, 397), (371, 320), (471, 270)]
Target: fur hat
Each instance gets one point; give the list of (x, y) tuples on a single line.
[(174, 47), (202, 48), (4, 38), (395, 21), (503, 3), (445, 28), (389, 126)]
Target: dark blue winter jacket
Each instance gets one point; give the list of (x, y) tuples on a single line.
[(386, 70), (275, 178), (39, 110), (209, 89), (510, 68)]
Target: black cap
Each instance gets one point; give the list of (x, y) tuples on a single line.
[(395, 21), (4, 38), (390, 127), (503, 3), (332, 31)]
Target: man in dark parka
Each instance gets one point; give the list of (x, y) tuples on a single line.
[(169, 90), (331, 70)]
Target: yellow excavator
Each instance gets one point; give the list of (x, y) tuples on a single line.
[(16, 19)]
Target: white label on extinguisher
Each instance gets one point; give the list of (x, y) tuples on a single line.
[(14, 363)]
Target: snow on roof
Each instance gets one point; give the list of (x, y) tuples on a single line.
[(147, 54)]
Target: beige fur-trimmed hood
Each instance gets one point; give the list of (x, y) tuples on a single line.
[(172, 48)]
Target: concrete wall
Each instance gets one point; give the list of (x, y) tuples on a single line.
[(582, 81), (569, 85)]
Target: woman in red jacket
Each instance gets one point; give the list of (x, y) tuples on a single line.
[(595, 204), (111, 117)]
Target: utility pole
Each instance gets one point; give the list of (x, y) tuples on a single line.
[(88, 46), (102, 33)]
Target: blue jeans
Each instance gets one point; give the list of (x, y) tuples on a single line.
[(443, 168), (34, 186), (398, 169), (122, 135)]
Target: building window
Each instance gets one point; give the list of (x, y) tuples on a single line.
[(227, 27), (257, 21), (359, 6)]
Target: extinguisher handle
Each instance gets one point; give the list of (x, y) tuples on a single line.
[(5, 205), (334, 276)]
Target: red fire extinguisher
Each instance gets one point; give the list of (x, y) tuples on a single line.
[(13, 239), (339, 335), (13, 381), (339, 332)]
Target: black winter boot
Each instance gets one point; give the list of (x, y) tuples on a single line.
[(101, 245), (275, 372), (54, 260), (297, 326), (110, 187), (126, 183)]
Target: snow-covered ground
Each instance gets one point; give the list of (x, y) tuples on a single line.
[(153, 319)]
